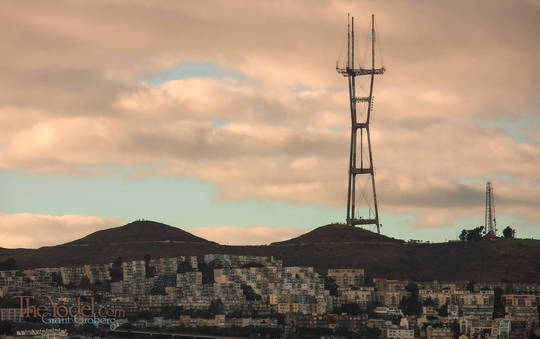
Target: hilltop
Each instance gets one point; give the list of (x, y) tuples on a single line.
[(329, 246), (139, 231), (337, 233), (131, 241)]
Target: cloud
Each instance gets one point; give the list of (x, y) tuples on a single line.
[(444, 217), (25, 230), (247, 235), (71, 98)]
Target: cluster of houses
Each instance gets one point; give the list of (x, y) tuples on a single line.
[(227, 291)]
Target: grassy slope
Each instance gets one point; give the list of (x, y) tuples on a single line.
[(510, 260), (138, 231), (337, 233)]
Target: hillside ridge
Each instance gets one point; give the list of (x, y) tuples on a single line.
[(336, 233), (329, 246), (139, 231)]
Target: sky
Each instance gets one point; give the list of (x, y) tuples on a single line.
[(228, 119)]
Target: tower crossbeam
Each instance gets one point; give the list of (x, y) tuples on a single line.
[(361, 221), (362, 99), (359, 71)]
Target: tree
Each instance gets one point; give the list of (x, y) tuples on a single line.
[(172, 312), (498, 307), (455, 328), (207, 271), (249, 293), (57, 279), (429, 302), (252, 264), (6, 327), (8, 302), (464, 235), (116, 270), (146, 315), (71, 285), (216, 307), (472, 235), (443, 311), (475, 234), (330, 284), (157, 290), (412, 288), (149, 270), (85, 283), (184, 267), (349, 308), (370, 308), (509, 233), (410, 305), (470, 286), (372, 333), (368, 281)]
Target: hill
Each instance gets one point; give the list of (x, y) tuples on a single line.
[(330, 246), (139, 231), (131, 241), (337, 233), (501, 260)]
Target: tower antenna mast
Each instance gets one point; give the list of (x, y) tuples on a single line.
[(362, 126), (489, 216)]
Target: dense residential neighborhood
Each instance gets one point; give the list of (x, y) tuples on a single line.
[(257, 296)]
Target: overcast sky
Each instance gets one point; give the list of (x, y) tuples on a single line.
[(228, 119)]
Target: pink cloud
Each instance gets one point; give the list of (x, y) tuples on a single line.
[(246, 235), (71, 97), (25, 230)]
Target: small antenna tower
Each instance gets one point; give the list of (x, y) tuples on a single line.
[(360, 127), (489, 217)]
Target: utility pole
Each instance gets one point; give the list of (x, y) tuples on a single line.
[(362, 127)]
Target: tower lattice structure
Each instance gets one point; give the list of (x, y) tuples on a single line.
[(490, 222), (360, 119)]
